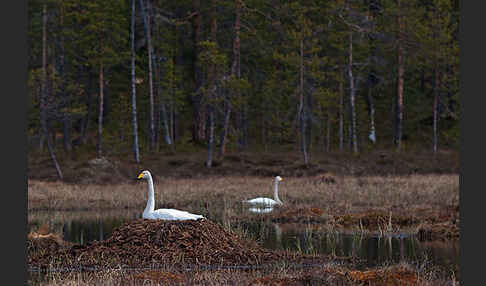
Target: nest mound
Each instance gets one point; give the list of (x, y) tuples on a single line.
[(158, 242), (42, 246)]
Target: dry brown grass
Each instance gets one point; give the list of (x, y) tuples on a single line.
[(427, 204), (325, 274), (347, 195)]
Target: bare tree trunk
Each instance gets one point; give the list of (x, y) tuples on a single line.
[(371, 110), (148, 32), (301, 105), (100, 112), (66, 125), (341, 114), (371, 75), (43, 103), (352, 96), (399, 110), (136, 152)]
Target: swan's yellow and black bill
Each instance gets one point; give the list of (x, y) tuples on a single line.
[(140, 176)]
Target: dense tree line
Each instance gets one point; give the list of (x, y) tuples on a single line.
[(329, 75)]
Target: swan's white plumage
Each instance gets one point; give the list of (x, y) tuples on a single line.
[(260, 210), (170, 214), (262, 201), (165, 214), (267, 201)]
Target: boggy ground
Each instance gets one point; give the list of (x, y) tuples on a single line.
[(376, 192), (403, 275), (145, 252), (426, 204), (81, 167)]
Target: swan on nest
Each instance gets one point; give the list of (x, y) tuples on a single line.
[(165, 214)]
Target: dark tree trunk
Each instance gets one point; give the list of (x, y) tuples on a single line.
[(212, 89), (43, 103), (308, 124), (436, 105), (328, 131), (136, 153), (66, 124), (100, 112), (165, 122), (209, 162), (302, 112), (197, 130), (341, 114), (86, 120), (148, 32), (399, 108), (224, 132), (236, 73), (162, 118)]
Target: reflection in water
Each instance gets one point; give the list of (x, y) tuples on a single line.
[(82, 228), (260, 210)]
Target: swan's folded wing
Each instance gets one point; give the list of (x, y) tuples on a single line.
[(172, 214)]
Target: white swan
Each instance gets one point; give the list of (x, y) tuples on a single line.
[(266, 201), (165, 214)]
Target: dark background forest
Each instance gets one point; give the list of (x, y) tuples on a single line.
[(144, 79)]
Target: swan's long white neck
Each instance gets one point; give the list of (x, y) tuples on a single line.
[(150, 201), (275, 191)]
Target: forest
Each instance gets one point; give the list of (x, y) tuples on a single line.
[(142, 77)]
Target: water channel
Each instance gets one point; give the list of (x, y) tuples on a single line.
[(82, 227)]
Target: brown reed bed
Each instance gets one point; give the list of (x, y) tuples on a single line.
[(429, 203), (325, 274)]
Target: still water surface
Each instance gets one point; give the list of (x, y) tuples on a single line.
[(82, 227)]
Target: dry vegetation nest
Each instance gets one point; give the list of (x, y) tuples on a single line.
[(158, 242), (42, 246)]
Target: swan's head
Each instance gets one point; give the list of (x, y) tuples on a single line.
[(278, 178), (144, 175)]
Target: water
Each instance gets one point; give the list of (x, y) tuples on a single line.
[(82, 227)]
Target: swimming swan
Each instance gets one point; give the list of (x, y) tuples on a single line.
[(267, 201), (165, 214)]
